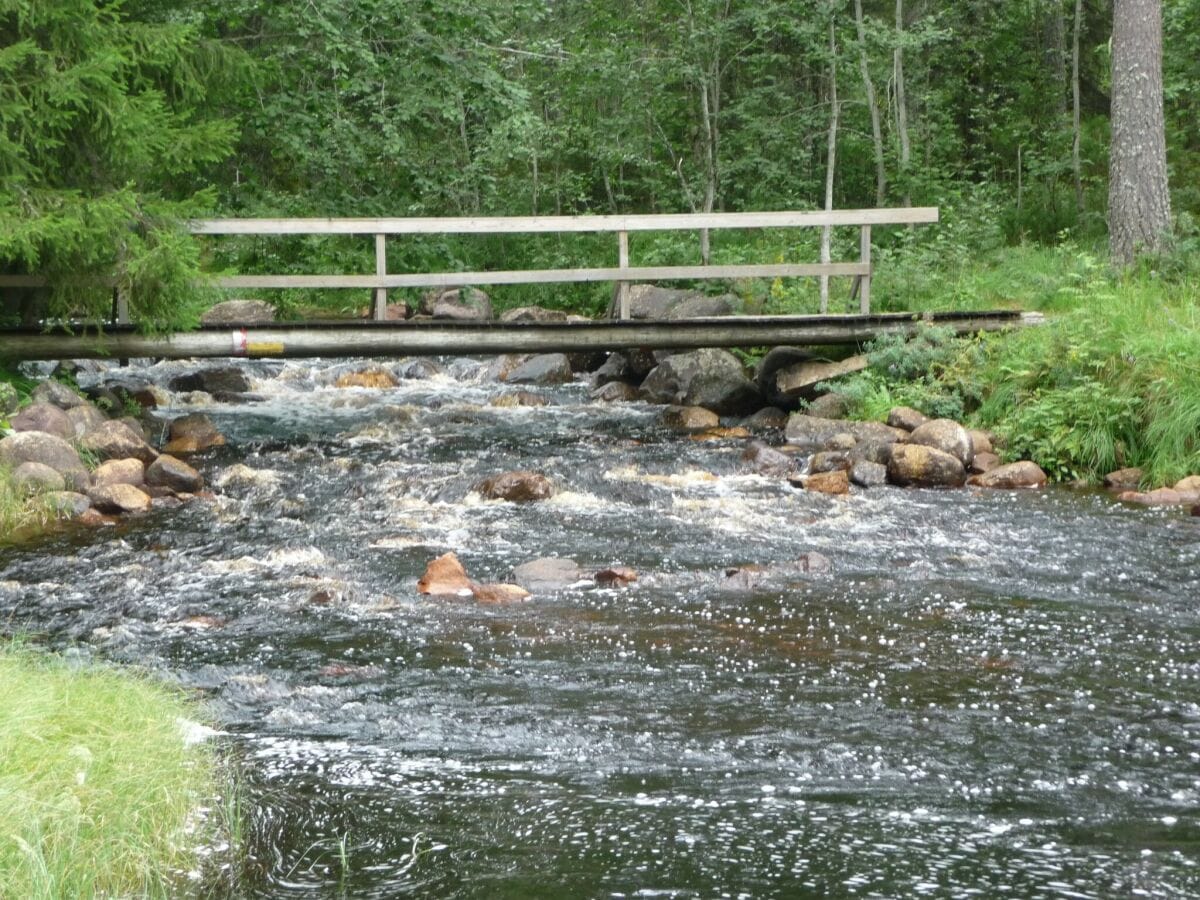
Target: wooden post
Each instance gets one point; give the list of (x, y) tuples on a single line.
[(864, 247), (122, 307), (623, 263), (379, 307)]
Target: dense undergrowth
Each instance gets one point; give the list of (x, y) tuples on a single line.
[(99, 796)]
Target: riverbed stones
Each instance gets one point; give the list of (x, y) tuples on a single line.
[(546, 575), (56, 394), (1160, 497), (769, 418), (516, 487), (742, 579), (175, 474), (815, 433), (766, 460), (615, 392), (834, 482), (919, 465), (66, 504), (212, 380), (37, 478), (374, 377), (445, 576), (191, 434), (947, 436), (1127, 479), (513, 399), (239, 312), (499, 593), (689, 418), (867, 474), (830, 406), (119, 498), (37, 446), (981, 441), (45, 418), (464, 304), (615, 368), (83, 419), (983, 462), (615, 577), (830, 461), (906, 418), (708, 377), (117, 440), (544, 368), (1023, 474), (649, 301), (120, 471), (537, 314)]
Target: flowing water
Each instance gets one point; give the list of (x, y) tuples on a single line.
[(990, 694)]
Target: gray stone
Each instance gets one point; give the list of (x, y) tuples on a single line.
[(815, 433), (56, 394), (37, 478), (945, 435), (766, 460), (615, 368), (689, 418), (545, 368), (906, 417), (169, 472), (533, 314), (44, 418), (615, 392), (37, 446), (983, 462), (918, 465), (769, 418), (67, 504), (462, 304), (545, 575), (744, 579), (192, 433), (649, 301), (830, 406), (116, 440), (830, 461), (710, 378), (701, 307), (83, 419), (239, 312), (868, 474), (213, 380)]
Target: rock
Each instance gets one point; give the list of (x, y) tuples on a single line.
[(116, 440), (104, 397), (37, 446), (66, 504), (37, 478), (981, 441), (445, 576), (516, 487), (835, 482), (462, 304), (873, 451), (518, 398), (44, 418), (614, 369), (814, 433), (214, 380), (720, 434), (502, 366), (710, 378), (1189, 484), (830, 406), (149, 396), (1160, 497), (10, 400), (169, 472), (545, 368), (417, 369), (93, 518), (549, 574), (983, 462), (769, 366), (868, 474), (533, 314), (701, 307), (648, 301), (1196, 510), (120, 471), (769, 418), (749, 578), (371, 377), (191, 434), (765, 460), (1022, 474), (239, 312), (119, 498), (906, 417), (615, 392), (918, 465), (830, 461), (56, 394), (1124, 479), (499, 593), (945, 435), (689, 418), (615, 576)]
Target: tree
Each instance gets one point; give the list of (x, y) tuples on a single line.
[(1139, 205)]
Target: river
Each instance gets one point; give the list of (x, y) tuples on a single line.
[(990, 694)]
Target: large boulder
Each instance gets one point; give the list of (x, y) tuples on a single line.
[(45, 418), (765, 460), (37, 478), (545, 368), (1022, 474), (462, 304), (945, 435), (516, 487), (918, 465), (213, 380), (191, 434), (239, 312), (865, 473), (116, 440), (983, 462), (701, 306), (175, 474), (777, 359), (616, 368), (37, 446), (649, 301), (83, 419), (710, 378), (549, 574), (615, 392), (119, 498), (56, 394), (815, 433)]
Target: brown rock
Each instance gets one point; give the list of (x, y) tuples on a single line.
[(544, 368), (906, 417), (1024, 474), (981, 441), (835, 482), (169, 472), (193, 433), (830, 461), (766, 461), (1160, 497), (1186, 485), (689, 418), (83, 419), (93, 518), (516, 487), (616, 576), (445, 576), (615, 392), (43, 417), (1124, 479), (37, 478), (116, 440), (499, 593), (66, 504), (119, 498), (720, 434), (37, 446), (373, 377), (916, 465), (1196, 510), (984, 462), (945, 435), (120, 471)]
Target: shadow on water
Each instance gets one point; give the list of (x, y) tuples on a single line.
[(990, 693)]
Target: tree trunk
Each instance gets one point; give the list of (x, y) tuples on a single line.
[(1076, 129), (1139, 205), (830, 162), (872, 106), (901, 103)]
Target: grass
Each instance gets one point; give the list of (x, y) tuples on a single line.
[(98, 794), (20, 514)]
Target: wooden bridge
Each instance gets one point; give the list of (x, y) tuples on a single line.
[(378, 337)]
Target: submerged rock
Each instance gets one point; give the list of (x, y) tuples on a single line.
[(548, 574), (191, 434), (615, 576), (833, 482), (516, 487), (518, 398), (753, 577), (445, 576), (499, 593), (916, 465), (545, 368)]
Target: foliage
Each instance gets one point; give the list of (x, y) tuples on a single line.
[(101, 795)]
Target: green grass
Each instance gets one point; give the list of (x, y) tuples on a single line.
[(99, 797), (20, 514)]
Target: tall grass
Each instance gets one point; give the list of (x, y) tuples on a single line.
[(99, 796), (20, 514)]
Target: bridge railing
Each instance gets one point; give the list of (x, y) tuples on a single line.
[(621, 225)]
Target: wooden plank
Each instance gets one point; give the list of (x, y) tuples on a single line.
[(542, 224), (379, 310), (864, 248), (538, 276), (623, 263), (26, 281), (791, 381)]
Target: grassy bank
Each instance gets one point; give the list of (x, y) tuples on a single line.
[(98, 793)]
